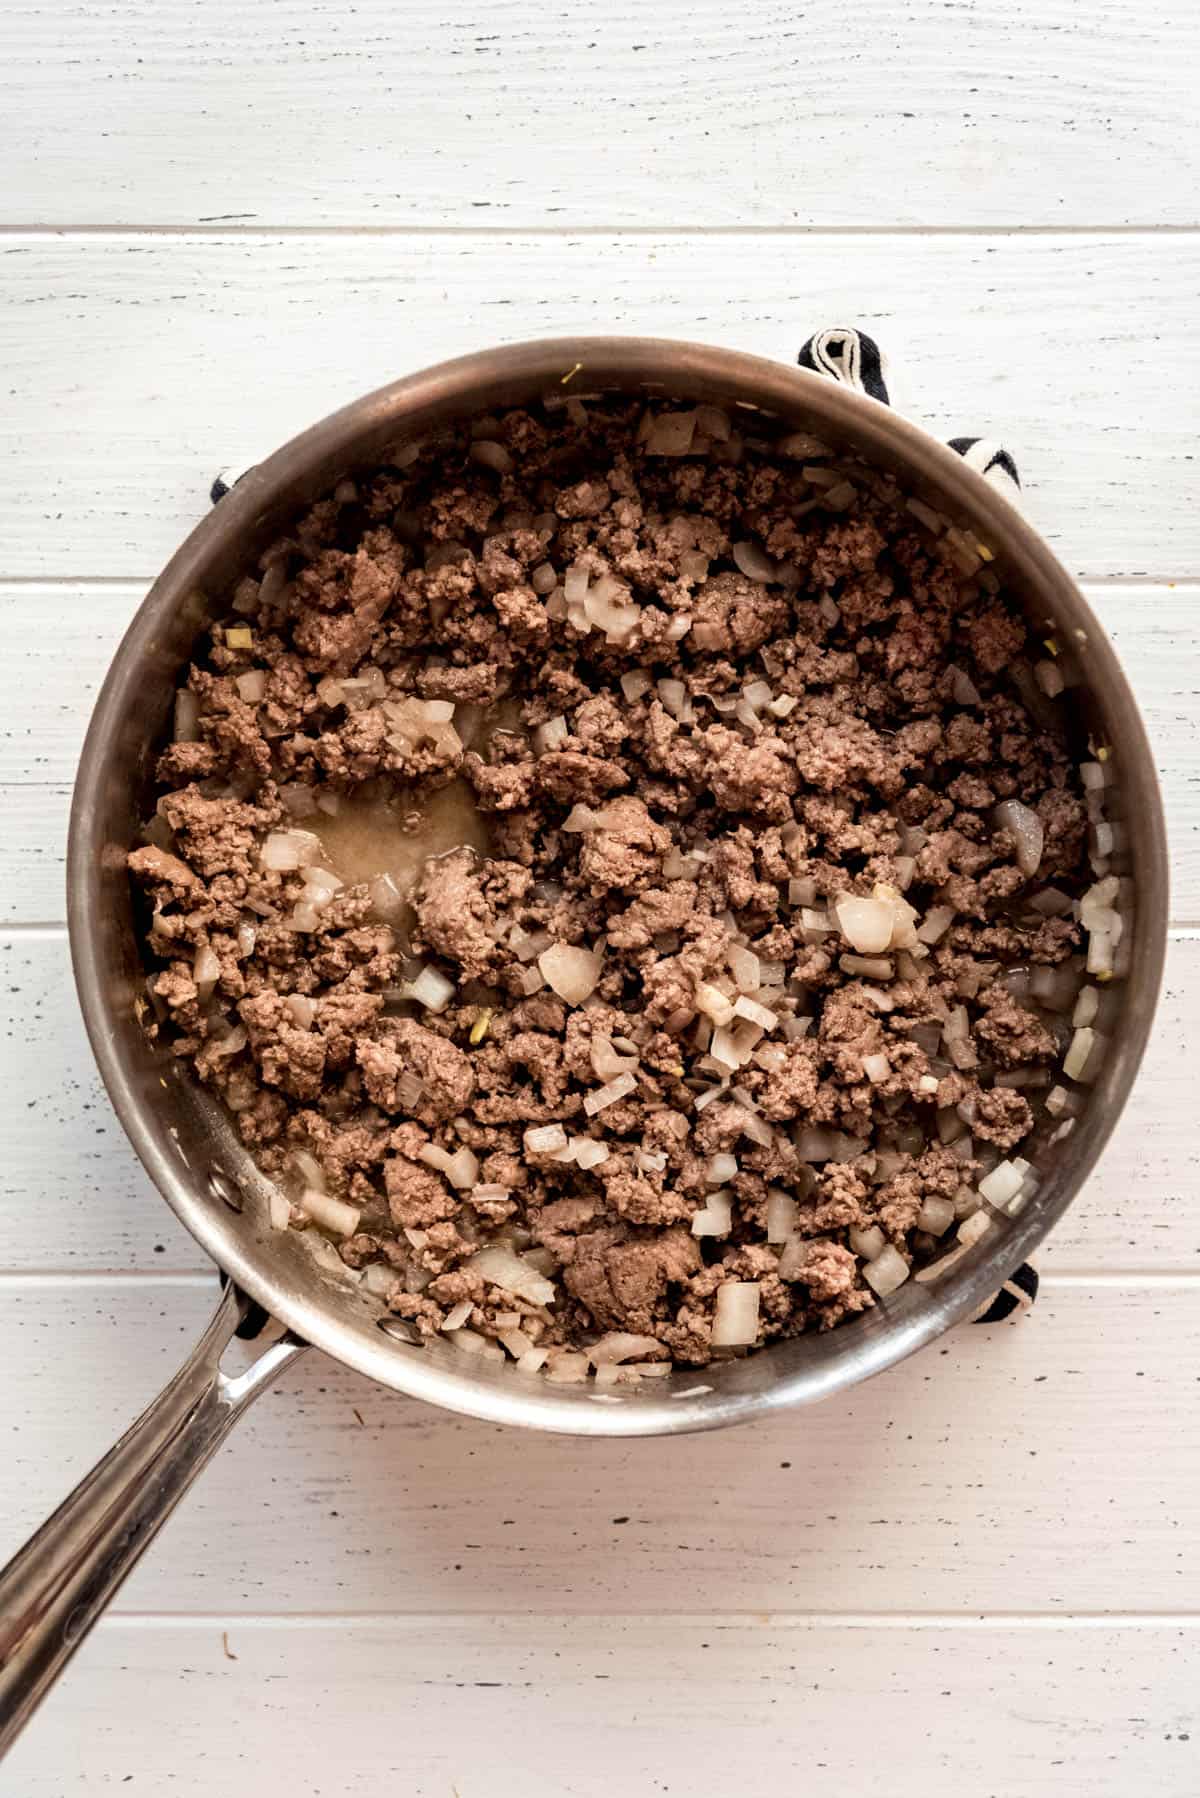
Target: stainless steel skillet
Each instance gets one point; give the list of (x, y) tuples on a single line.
[(276, 1294)]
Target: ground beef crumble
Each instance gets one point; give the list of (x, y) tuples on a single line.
[(687, 701)]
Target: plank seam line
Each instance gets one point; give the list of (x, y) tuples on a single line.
[(758, 1620), (216, 228)]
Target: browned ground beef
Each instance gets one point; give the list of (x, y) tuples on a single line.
[(675, 761)]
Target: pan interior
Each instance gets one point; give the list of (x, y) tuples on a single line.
[(186, 1139)]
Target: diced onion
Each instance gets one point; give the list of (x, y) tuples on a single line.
[(754, 1012), (186, 727), (329, 1213), (252, 687), (636, 684), (814, 1143), (745, 968), (675, 698), (1086, 1007), (1027, 830), (570, 971), (957, 1026), (491, 455), (1078, 1053), (877, 1068), (1101, 944), (1096, 908), (575, 583), (303, 1010), (650, 1161), (973, 1227), (298, 799), (545, 1139), (461, 1168), (284, 850), (781, 1216), (320, 884), (469, 1342), (431, 989), (937, 922), (388, 903), (621, 1345), (501, 1267), (963, 688), (726, 1049), (714, 422), (721, 1169), (936, 1216), (869, 1243), (757, 1129), (611, 1094), (551, 735), (875, 967), (457, 1316), (886, 1272), (308, 1169), (716, 1219), (1048, 676), (715, 1004), (566, 1368), (232, 1043), (607, 1063), (588, 1152), (735, 1318), (206, 971), (1055, 988), (671, 434), (865, 923), (753, 562)]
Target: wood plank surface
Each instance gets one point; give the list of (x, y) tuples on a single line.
[(530, 114), (996, 1473), (142, 364), (977, 1574), (541, 1707)]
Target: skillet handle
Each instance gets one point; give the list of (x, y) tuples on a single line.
[(55, 1588)]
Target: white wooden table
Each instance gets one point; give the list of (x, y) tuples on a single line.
[(977, 1575)]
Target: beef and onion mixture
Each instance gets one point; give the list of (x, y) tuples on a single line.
[(630, 884)]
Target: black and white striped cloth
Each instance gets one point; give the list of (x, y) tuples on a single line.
[(855, 360)]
